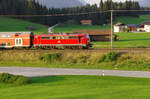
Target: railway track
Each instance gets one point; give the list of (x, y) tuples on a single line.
[(103, 50)]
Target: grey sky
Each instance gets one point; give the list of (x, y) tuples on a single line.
[(142, 2)]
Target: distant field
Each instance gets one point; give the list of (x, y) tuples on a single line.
[(127, 40), (79, 87), (133, 20), (69, 27), (9, 24)]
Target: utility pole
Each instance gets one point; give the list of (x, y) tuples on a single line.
[(111, 12)]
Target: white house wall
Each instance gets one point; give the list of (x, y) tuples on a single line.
[(116, 28), (147, 28)]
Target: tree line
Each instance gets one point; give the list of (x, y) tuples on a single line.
[(31, 7)]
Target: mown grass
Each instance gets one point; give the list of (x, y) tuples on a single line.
[(10, 24), (79, 87), (127, 40)]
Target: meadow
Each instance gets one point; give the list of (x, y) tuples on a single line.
[(70, 26), (10, 24), (78, 87), (133, 20), (127, 40)]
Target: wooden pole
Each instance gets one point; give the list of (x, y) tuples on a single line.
[(111, 28), (111, 12)]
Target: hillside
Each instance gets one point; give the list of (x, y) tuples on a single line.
[(133, 20), (70, 26), (9, 24), (61, 3)]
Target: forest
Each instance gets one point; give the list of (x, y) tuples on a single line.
[(31, 7)]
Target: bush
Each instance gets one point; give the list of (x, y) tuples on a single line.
[(13, 79), (53, 57), (111, 56)]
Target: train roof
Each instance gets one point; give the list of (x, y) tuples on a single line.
[(15, 32), (70, 34)]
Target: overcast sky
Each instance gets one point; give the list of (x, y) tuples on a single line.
[(97, 1), (142, 2)]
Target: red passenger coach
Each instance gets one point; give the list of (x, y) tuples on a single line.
[(15, 39), (64, 40)]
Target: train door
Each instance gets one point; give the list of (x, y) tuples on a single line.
[(18, 41), (80, 39)]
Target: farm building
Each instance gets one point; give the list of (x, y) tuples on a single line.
[(86, 22), (144, 27), (132, 28), (120, 27), (15, 39), (97, 35)]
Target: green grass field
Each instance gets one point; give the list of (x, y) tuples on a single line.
[(79, 87), (9, 24), (127, 40), (133, 20), (70, 26)]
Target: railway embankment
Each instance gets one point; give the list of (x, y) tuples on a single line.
[(93, 59)]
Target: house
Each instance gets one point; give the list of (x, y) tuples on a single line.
[(97, 35), (120, 27), (86, 22), (132, 28), (144, 27)]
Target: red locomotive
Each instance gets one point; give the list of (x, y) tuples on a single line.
[(28, 39)]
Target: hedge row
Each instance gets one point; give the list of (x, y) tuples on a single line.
[(13, 79)]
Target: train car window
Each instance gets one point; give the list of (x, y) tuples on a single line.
[(20, 41), (54, 37), (50, 37), (63, 37), (73, 37), (45, 37), (9, 44), (3, 35), (3, 44), (9, 35), (58, 37), (16, 41), (66, 37)]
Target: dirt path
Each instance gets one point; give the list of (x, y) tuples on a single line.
[(33, 72)]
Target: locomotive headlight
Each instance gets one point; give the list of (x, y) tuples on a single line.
[(59, 41)]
